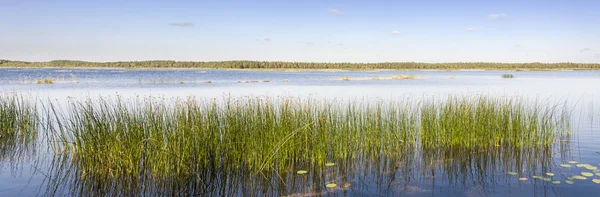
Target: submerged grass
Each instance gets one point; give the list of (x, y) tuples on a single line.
[(162, 139)]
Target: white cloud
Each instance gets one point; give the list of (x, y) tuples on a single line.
[(309, 43), (267, 39), (585, 49), (395, 32), (497, 16), (182, 24), (470, 29), (334, 12)]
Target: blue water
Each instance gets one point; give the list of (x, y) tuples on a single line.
[(28, 176)]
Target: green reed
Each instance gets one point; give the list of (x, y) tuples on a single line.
[(166, 139), (154, 137), (481, 123), (18, 120)]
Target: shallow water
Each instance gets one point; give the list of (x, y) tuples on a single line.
[(474, 174)]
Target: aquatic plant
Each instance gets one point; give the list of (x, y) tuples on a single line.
[(507, 76), (190, 145), (482, 123), (47, 80), (18, 121), (255, 134)]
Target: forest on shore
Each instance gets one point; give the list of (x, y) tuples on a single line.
[(301, 65)]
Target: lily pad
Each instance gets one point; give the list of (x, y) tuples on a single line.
[(331, 185), (347, 185), (329, 164), (579, 177), (301, 172), (522, 179), (555, 182), (546, 179), (580, 165), (597, 181), (550, 174), (591, 167), (570, 182), (597, 174), (512, 173), (588, 174), (536, 177), (572, 162), (565, 165)]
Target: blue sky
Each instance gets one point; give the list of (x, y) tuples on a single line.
[(307, 30)]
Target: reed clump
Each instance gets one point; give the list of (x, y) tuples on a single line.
[(47, 80), (508, 76), (18, 120), (482, 123), (167, 139)]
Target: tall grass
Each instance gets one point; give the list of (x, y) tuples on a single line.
[(246, 145), (181, 138), (480, 123), (18, 121)]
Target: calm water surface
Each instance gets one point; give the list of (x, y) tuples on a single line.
[(473, 174)]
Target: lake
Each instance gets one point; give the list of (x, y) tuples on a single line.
[(413, 172)]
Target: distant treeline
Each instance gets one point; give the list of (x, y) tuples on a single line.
[(301, 65)]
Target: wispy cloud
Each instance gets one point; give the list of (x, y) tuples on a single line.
[(497, 16), (585, 49), (309, 43), (267, 39), (470, 29), (182, 24), (395, 32), (334, 12)]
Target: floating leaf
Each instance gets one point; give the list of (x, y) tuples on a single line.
[(591, 167), (347, 185), (546, 179), (331, 185), (597, 174), (550, 174), (522, 179), (579, 177), (580, 165), (512, 173), (565, 165), (536, 177), (329, 164), (555, 182), (301, 172), (570, 182), (596, 181), (572, 162), (588, 174)]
